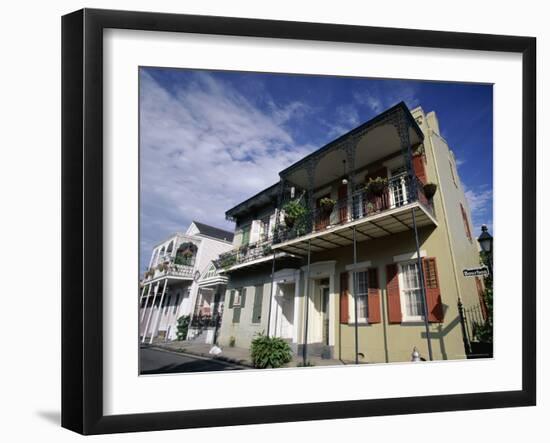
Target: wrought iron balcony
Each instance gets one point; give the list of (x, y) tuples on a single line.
[(245, 254), (400, 192)]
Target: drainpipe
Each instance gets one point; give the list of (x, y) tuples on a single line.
[(355, 298), (422, 286), (306, 301)]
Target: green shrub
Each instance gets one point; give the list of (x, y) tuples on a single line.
[(269, 352), (232, 342), (183, 326)]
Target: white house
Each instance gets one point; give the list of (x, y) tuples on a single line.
[(170, 285)]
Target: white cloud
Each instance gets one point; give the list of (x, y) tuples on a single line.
[(204, 149), (480, 202), (378, 98)]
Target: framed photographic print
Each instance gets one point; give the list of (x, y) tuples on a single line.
[(269, 221)]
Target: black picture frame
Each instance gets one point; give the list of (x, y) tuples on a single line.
[(82, 216)]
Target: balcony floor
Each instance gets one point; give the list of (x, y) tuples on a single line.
[(388, 222)]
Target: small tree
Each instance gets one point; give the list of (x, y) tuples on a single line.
[(483, 332), (269, 352), (183, 326)]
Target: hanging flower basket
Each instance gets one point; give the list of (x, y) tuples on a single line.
[(293, 211), (327, 205), (376, 186), (429, 190)]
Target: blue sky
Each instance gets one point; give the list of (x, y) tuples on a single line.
[(210, 139)]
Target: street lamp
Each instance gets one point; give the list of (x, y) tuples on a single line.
[(486, 242)]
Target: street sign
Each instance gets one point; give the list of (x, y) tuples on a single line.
[(476, 272)]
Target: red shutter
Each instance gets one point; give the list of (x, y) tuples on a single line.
[(418, 166), (433, 294), (374, 297), (392, 291), (344, 297), (342, 202)]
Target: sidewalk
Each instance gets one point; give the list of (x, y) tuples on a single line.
[(236, 355)]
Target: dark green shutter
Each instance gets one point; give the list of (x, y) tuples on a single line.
[(231, 298), (257, 308), (243, 297)]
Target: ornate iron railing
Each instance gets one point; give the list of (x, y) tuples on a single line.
[(245, 253), (399, 191)]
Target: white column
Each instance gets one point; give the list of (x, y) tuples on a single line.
[(159, 312), (150, 314), (141, 300)]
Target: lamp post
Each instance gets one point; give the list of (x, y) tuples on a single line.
[(486, 242)]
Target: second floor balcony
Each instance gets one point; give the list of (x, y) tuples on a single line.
[(253, 252), (170, 269), (373, 213)]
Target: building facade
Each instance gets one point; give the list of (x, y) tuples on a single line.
[(352, 255), (175, 281)]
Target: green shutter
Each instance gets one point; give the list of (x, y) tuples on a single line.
[(236, 314), (246, 236), (243, 297), (231, 298), (257, 308)]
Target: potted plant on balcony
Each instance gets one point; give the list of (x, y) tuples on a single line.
[(327, 205), (376, 186), (294, 210), (226, 260), (266, 249), (429, 190)]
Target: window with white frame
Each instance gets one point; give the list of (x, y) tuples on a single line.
[(361, 295), (411, 292), (237, 297)]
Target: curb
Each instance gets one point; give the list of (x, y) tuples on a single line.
[(205, 355)]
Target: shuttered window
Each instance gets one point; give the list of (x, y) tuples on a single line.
[(393, 294), (257, 307), (373, 297), (344, 302), (240, 296), (361, 293), (433, 292), (245, 235), (411, 291), (466, 224)]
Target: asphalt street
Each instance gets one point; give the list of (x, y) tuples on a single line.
[(155, 361)]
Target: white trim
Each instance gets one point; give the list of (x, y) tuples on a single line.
[(404, 317), (359, 266), (408, 256)]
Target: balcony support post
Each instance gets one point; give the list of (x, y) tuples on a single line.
[(159, 312), (271, 297), (355, 307), (150, 313), (306, 301), (422, 285), (350, 149), (310, 169), (141, 300)]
